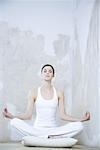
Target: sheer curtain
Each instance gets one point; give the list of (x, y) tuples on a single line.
[(85, 83)]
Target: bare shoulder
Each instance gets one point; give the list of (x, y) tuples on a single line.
[(33, 93), (60, 92)]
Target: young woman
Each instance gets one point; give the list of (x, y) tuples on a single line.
[(47, 98)]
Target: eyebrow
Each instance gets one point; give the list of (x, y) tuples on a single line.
[(49, 69)]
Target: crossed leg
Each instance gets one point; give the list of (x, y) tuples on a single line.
[(68, 130)]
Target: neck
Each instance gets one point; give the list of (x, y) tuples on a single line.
[(47, 84)]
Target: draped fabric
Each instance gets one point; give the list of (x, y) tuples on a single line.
[(91, 77), (85, 89), (75, 56)]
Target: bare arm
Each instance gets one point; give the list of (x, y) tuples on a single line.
[(28, 113), (67, 117)]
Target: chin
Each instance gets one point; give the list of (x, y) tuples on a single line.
[(47, 79)]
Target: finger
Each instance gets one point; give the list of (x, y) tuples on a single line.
[(5, 109), (87, 114), (3, 113)]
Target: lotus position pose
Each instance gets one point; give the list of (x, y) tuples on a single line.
[(46, 100)]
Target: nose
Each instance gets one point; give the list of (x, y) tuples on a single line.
[(47, 72)]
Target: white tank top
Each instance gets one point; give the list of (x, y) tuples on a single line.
[(46, 110)]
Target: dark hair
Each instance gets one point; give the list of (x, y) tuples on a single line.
[(50, 66)]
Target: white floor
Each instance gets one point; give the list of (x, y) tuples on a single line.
[(19, 146)]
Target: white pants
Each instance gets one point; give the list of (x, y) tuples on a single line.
[(68, 130)]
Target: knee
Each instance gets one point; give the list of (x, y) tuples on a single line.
[(80, 126), (14, 121)]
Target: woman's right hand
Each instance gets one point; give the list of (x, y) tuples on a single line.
[(7, 114)]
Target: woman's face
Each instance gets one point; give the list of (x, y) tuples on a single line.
[(47, 73)]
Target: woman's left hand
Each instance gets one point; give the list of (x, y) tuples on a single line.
[(86, 117)]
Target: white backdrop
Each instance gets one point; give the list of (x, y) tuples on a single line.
[(65, 34)]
